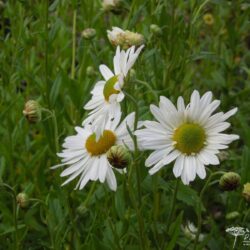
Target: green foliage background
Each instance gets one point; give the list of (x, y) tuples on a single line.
[(37, 49)]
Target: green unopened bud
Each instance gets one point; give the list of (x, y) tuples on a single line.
[(90, 71), (82, 210), (22, 200), (89, 33), (230, 181), (32, 111), (233, 215), (155, 29), (118, 156), (246, 192)]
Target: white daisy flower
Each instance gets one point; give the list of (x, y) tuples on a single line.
[(191, 136), (86, 157), (190, 231), (107, 95)]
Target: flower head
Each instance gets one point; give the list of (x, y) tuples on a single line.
[(230, 181), (118, 156), (208, 19), (107, 94), (87, 157), (22, 200), (112, 5), (190, 231), (32, 111), (191, 136), (89, 33), (125, 39)]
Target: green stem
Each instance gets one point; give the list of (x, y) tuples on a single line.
[(86, 201), (199, 206), (47, 51), (149, 88), (246, 215), (73, 46), (55, 130), (173, 204), (53, 117), (143, 240)]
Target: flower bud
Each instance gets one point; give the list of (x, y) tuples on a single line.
[(246, 192), (22, 200), (118, 156), (229, 181), (233, 215), (90, 71), (32, 111), (208, 19), (114, 6), (155, 29), (89, 33), (82, 210), (125, 39)]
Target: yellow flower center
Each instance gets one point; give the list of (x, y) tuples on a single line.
[(189, 138), (105, 142), (109, 88)]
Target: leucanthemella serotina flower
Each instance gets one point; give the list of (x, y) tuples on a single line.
[(191, 136), (86, 157), (107, 94)]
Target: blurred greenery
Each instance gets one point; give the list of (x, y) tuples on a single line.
[(43, 57)]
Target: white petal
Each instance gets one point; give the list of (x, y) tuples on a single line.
[(178, 166), (111, 180), (106, 72), (200, 169)]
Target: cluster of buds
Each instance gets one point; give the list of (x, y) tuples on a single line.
[(32, 111), (125, 39)]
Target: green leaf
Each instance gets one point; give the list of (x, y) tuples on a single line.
[(174, 231)]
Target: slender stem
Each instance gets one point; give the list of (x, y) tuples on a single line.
[(73, 46), (246, 215), (173, 204), (46, 28), (143, 240), (55, 130), (53, 117), (149, 88), (199, 206), (89, 194)]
